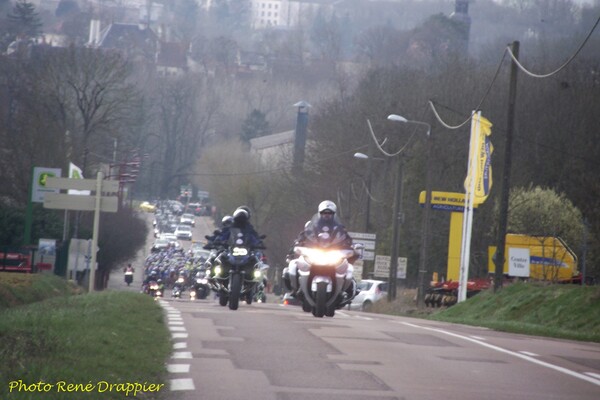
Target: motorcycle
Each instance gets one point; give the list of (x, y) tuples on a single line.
[(178, 287), (236, 271), (322, 273), (259, 295), (201, 286), (155, 289), (129, 277)]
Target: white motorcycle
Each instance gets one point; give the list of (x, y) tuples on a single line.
[(323, 274)]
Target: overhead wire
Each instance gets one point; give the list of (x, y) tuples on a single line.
[(533, 75), (522, 68)]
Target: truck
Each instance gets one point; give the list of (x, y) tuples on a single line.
[(546, 258)]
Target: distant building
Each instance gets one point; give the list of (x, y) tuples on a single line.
[(461, 14), (275, 148), (286, 13)]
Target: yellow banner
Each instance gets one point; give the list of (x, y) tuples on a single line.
[(481, 150)]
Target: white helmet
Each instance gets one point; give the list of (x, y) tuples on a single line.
[(327, 205)]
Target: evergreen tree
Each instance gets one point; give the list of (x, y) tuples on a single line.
[(24, 20), (255, 125)]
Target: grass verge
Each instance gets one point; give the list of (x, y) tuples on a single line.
[(92, 341), (559, 311)]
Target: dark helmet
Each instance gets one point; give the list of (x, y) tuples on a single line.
[(241, 216), (247, 210)]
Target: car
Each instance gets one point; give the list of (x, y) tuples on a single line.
[(371, 291), (183, 232), (288, 299), (159, 244), (147, 207), (201, 254), (173, 242), (187, 219)]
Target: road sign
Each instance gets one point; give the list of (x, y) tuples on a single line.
[(368, 240), (203, 194), (446, 201), (80, 203), (81, 184), (40, 183), (361, 235), (382, 267)]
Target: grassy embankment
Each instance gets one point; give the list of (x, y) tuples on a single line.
[(50, 334), (560, 311)]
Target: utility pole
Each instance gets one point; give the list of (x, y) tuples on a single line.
[(425, 225), (397, 220), (510, 127)]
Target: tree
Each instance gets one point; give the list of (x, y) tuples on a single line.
[(543, 212), (255, 125), (184, 110), (89, 93), (24, 20)]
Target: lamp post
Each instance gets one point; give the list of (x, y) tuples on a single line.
[(425, 221), (397, 221), (369, 158)]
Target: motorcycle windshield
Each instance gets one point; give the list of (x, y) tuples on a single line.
[(325, 236)]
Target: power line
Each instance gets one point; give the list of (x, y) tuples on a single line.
[(531, 74)]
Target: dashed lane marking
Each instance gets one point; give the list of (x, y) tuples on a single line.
[(182, 384)]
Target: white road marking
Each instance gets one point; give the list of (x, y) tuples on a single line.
[(182, 354), (180, 345), (177, 328), (179, 335), (171, 322), (477, 338), (527, 353), (182, 384), (178, 368), (593, 374), (512, 353)]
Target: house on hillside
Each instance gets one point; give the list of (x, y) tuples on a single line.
[(274, 149)]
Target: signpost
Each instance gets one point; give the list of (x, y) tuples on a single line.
[(382, 267), (368, 240), (94, 203)]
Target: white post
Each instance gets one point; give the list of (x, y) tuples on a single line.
[(95, 231), (465, 253)]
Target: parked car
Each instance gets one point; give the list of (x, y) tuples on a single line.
[(183, 232), (371, 291)]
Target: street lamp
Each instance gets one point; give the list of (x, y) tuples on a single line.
[(397, 220), (425, 222), (368, 157)]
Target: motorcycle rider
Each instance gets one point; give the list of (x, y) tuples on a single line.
[(128, 270), (326, 221), (241, 221)]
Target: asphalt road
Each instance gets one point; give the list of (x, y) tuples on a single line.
[(269, 351)]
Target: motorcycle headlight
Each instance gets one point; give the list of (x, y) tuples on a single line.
[(217, 270), (324, 257), (180, 280), (257, 274)]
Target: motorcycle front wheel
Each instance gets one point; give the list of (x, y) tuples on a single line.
[(223, 299), (321, 300), (234, 291)]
